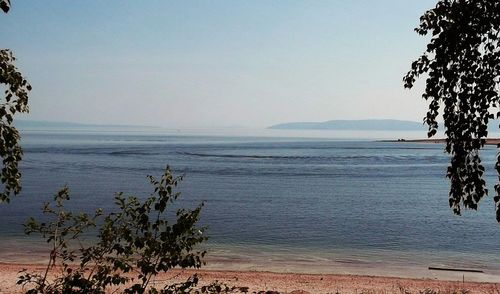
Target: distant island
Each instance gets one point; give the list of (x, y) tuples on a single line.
[(359, 125)]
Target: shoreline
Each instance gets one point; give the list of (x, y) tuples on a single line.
[(288, 282), (490, 141), (382, 263)]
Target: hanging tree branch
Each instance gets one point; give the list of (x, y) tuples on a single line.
[(462, 63)]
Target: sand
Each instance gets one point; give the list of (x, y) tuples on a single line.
[(288, 282)]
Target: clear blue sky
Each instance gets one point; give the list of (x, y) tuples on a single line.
[(216, 63)]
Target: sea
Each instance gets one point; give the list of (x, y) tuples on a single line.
[(274, 200)]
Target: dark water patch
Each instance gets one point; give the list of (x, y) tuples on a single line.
[(348, 159)]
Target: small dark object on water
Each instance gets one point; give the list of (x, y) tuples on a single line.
[(455, 269)]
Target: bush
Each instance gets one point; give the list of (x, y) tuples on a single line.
[(133, 245)]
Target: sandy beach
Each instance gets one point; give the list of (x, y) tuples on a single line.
[(285, 274), (289, 282)]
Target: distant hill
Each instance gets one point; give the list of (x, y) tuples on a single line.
[(362, 125)]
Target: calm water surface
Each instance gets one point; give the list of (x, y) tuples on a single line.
[(314, 201)]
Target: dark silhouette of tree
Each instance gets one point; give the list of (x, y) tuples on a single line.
[(5, 5), (15, 100), (462, 67)]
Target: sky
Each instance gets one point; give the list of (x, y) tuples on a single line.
[(234, 63)]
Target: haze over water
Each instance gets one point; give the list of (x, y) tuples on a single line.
[(307, 204)]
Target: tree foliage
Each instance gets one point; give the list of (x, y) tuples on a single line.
[(5, 5), (462, 67), (14, 101), (135, 243)]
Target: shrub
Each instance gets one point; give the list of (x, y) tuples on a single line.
[(133, 244)]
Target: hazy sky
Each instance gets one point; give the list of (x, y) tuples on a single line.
[(188, 64)]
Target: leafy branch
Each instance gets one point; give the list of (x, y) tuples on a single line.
[(134, 244), (462, 65), (15, 100)]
